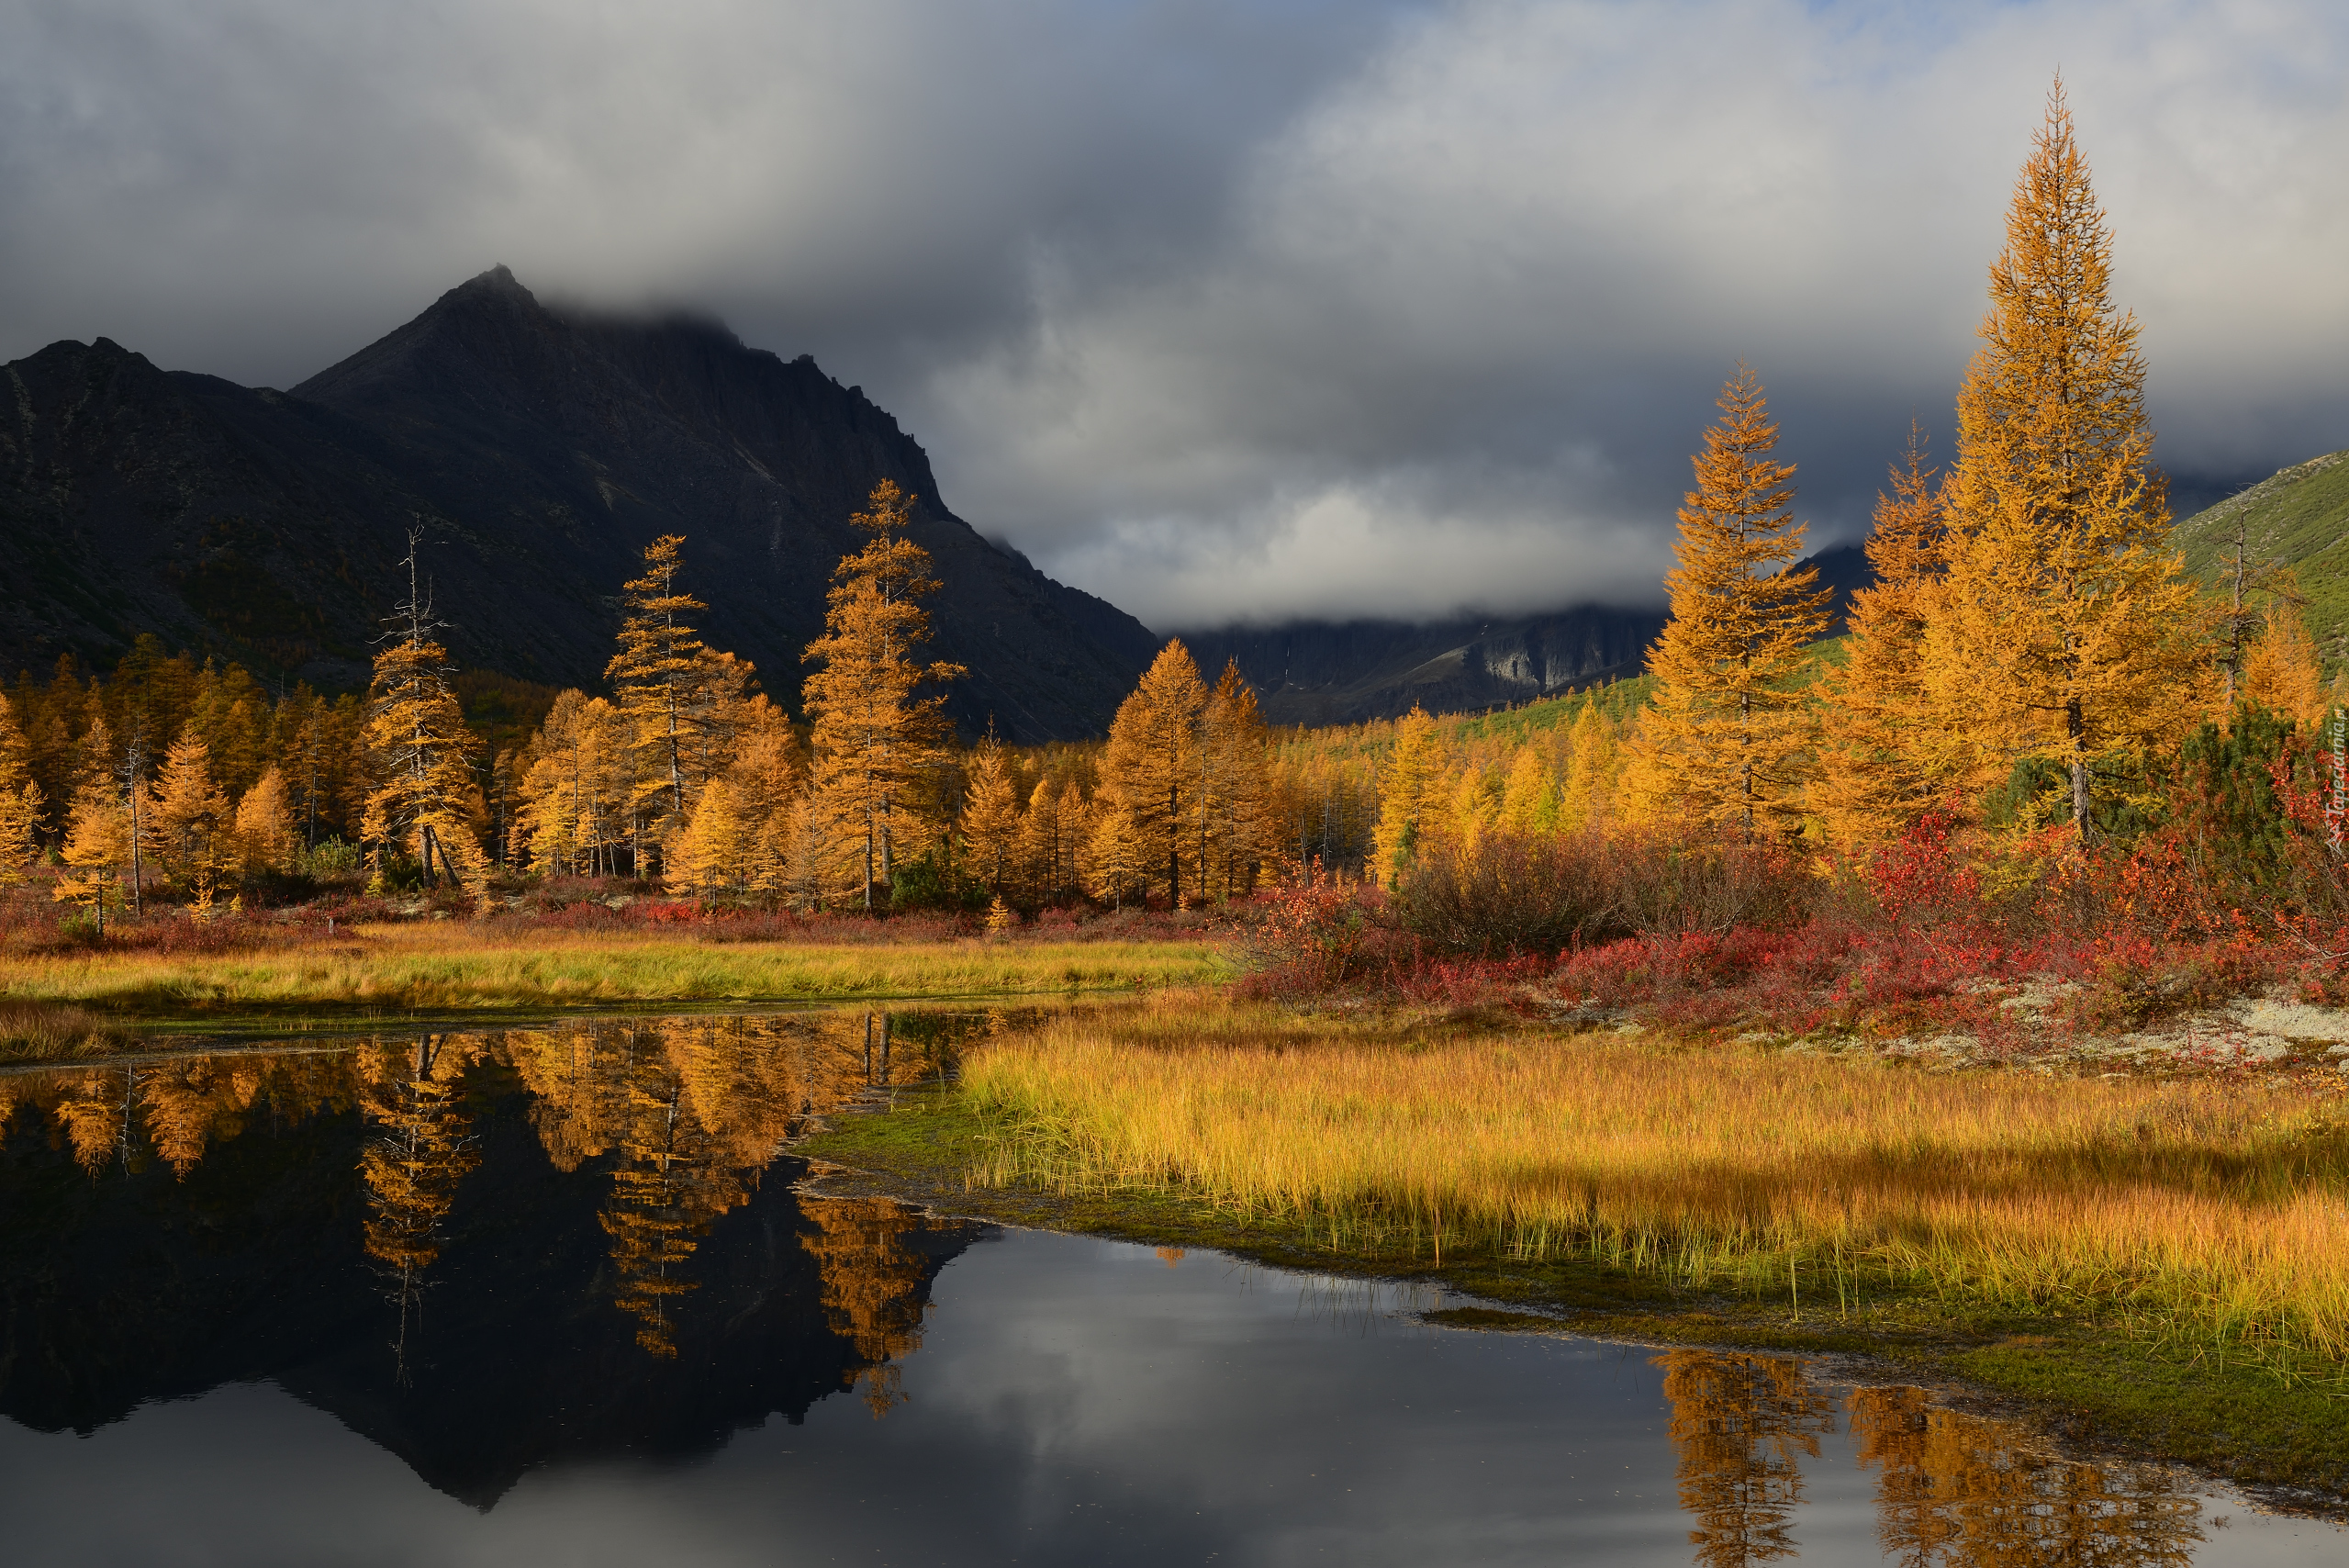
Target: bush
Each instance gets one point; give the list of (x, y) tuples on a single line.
[(1511, 893)]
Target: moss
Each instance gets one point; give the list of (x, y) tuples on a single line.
[(2086, 1380)]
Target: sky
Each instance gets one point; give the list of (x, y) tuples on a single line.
[(1227, 310)]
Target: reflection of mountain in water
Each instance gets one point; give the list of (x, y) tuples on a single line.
[(485, 1252)]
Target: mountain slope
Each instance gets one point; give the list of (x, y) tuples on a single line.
[(2299, 518), (1317, 673), (541, 450)]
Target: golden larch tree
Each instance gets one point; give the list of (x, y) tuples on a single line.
[(417, 746), (20, 800), (1236, 816), (1528, 795), (264, 838), (872, 737), (1881, 761), (672, 689), (1726, 740), (1594, 757), (103, 825), (990, 818), (2070, 632), (1411, 787), (1150, 770), (193, 821)]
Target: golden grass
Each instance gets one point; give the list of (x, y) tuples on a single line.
[(452, 965), (2194, 1208)]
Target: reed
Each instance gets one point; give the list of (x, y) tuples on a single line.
[(453, 965), (2214, 1212)]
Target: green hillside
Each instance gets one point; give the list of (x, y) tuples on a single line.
[(2299, 518)]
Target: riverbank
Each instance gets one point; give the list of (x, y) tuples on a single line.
[(67, 1004), (2139, 1259)]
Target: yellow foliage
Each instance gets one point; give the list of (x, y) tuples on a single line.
[(1881, 761), (1727, 742), (873, 738), (2067, 629)]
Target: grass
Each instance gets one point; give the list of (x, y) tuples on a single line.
[(452, 967), (2164, 1259)]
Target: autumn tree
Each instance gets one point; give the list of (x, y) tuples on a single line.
[(1235, 788), (104, 825), (1410, 787), (872, 737), (1593, 760), (1882, 760), (263, 836), (1726, 741), (571, 802), (672, 687), (1150, 770), (20, 800), (192, 818), (711, 855), (417, 744), (990, 818), (1528, 795), (2071, 634)]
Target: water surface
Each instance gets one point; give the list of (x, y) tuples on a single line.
[(550, 1295)]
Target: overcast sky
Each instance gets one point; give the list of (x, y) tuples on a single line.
[(1224, 311)]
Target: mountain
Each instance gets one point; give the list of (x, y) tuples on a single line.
[(2298, 517), (541, 450), (1324, 672)]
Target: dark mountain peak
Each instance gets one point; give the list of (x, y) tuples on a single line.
[(544, 447)]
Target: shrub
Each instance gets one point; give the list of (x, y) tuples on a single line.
[(1512, 893)]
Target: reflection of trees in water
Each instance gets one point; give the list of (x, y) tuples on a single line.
[(692, 1110), (1740, 1426), (871, 1285), (420, 1149), (175, 1109), (689, 1110), (1956, 1489)]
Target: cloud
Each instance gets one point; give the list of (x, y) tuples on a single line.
[(1226, 310)]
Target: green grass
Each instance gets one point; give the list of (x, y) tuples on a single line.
[(2299, 518), (449, 969)]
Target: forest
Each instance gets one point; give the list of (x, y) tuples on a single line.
[(2039, 747)]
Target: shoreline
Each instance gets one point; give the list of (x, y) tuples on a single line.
[(2089, 1389)]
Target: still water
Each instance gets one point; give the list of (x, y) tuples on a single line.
[(551, 1296)]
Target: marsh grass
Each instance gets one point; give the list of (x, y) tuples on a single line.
[(2211, 1214), (35, 1031), (458, 965)]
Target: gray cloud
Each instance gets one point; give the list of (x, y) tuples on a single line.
[(1224, 310)]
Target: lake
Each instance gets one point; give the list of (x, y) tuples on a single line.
[(554, 1295)]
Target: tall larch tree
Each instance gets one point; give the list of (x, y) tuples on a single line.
[(991, 819), (20, 800), (423, 798), (671, 690), (193, 821), (1594, 755), (2072, 633), (264, 835), (1881, 761), (1150, 769), (1726, 741), (872, 736), (1236, 788), (1410, 788), (100, 835)]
